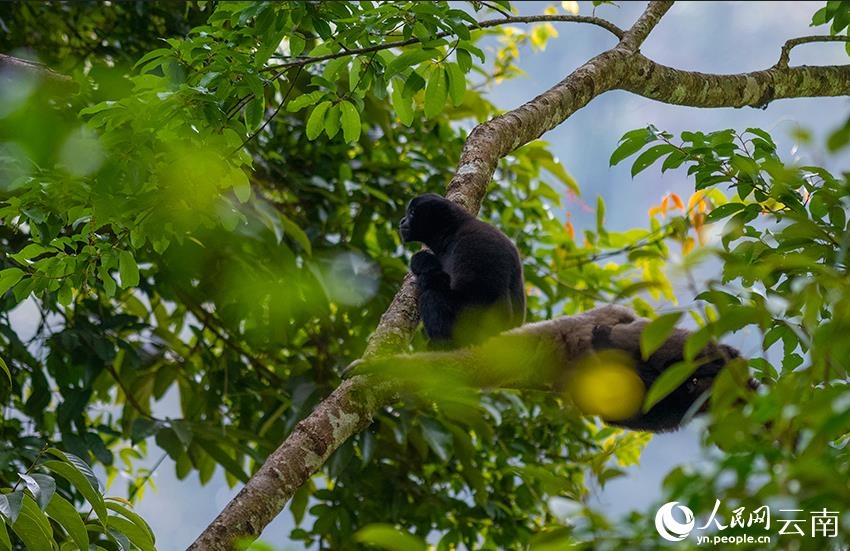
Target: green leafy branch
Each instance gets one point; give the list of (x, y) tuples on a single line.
[(486, 24)]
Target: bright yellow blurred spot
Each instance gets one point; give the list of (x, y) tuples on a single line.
[(570, 7), (607, 387)]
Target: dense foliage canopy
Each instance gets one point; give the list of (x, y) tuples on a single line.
[(203, 213)]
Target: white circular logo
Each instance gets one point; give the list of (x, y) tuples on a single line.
[(668, 527)]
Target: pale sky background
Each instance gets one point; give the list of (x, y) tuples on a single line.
[(715, 37)]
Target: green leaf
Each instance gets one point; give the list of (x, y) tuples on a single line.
[(386, 536), (350, 122), (41, 486), (457, 83), (437, 438), (254, 113), (837, 217), (239, 182), (819, 18), (410, 58), (819, 205), (791, 362), (8, 278), (355, 74), (220, 455), (5, 542), (696, 342), (161, 52), (667, 382), (113, 505), (436, 91), (674, 160), (33, 526), (600, 214), (718, 213), (303, 101), (300, 500), (631, 143), (412, 84), (65, 295), (651, 155), (762, 134), (81, 483), (138, 535), (128, 269), (109, 286), (470, 47), (5, 369), (31, 251), (656, 332), (402, 104), (297, 43), (464, 60), (316, 121), (332, 122), (295, 232), (67, 516), (11, 504)]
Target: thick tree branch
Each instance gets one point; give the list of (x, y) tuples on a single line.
[(756, 89), (13, 68), (346, 411), (635, 36), (350, 408)]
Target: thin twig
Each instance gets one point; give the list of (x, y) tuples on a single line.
[(784, 57), (273, 115), (613, 29)]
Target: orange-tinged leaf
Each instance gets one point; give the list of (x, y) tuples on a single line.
[(697, 219), (677, 201)]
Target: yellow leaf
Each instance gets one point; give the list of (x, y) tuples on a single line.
[(570, 7), (687, 245), (697, 200)]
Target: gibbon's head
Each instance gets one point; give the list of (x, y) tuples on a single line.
[(686, 400), (430, 217)]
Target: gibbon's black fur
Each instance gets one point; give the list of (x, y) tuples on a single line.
[(470, 281), (686, 400)]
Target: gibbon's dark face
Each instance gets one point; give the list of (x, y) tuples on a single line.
[(404, 226), (427, 216)]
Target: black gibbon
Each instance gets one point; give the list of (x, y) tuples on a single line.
[(470, 281)]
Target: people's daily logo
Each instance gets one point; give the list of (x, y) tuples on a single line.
[(668, 526)]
